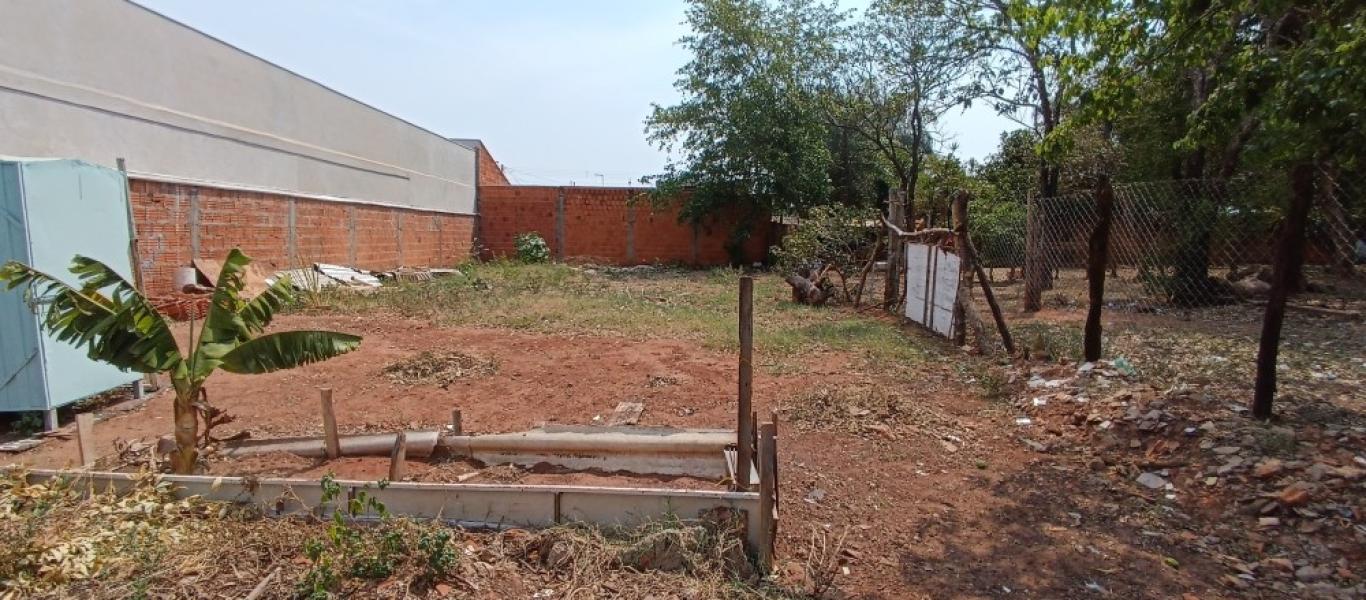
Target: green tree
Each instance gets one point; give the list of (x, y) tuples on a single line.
[(901, 68), (748, 133), (114, 323)]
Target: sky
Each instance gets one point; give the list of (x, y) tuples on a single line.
[(558, 91)]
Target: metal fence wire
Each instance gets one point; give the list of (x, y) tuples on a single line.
[(1173, 244)]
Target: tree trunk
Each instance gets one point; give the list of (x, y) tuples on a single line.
[(917, 133), (1289, 260), (1034, 268), (1095, 268), (185, 455)]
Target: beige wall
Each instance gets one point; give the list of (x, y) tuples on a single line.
[(100, 79)]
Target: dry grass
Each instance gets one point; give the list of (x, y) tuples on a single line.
[(62, 543), (439, 368)]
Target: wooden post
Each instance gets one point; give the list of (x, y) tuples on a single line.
[(1033, 267), (777, 491), (330, 439), (1098, 257), (745, 432), (1284, 277), (768, 510), (896, 214), (457, 423), (85, 438), (1006, 339), (398, 459), (960, 234)]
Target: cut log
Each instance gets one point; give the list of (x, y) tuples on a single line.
[(804, 291)]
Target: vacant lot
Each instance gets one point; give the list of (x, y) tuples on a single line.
[(909, 468)]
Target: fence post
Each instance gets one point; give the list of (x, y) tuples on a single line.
[(1033, 292), (331, 442), (744, 418), (1286, 273), (896, 213), (1097, 258), (960, 240)]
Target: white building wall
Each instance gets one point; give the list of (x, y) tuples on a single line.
[(101, 79)]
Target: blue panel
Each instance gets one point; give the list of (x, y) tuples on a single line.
[(75, 208), (21, 374)]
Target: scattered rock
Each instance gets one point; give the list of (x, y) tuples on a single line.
[(1295, 495), (1268, 468), (883, 430), (1152, 481), (814, 496), (1310, 573)]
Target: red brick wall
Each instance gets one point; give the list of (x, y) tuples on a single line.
[(595, 225), (172, 218), (322, 232), (600, 226), (489, 171), (505, 212)]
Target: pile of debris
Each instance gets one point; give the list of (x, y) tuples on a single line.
[(1280, 505)]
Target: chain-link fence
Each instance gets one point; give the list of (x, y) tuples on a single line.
[(1173, 244)]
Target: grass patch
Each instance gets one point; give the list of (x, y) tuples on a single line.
[(654, 302)]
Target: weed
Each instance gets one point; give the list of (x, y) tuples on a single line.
[(439, 556), (531, 248), (28, 424)]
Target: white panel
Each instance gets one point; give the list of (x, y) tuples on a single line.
[(931, 287), (917, 286), (945, 291)]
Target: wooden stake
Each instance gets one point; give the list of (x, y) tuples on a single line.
[(777, 491), (744, 457), (768, 510), (1098, 257), (330, 439), (457, 423), (1289, 260), (85, 438), (398, 460)]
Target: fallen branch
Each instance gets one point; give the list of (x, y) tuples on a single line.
[(260, 588)]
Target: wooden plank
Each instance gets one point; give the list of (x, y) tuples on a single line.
[(768, 510), (398, 460), (85, 438), (331, 441), (745, 429), (457, 422)]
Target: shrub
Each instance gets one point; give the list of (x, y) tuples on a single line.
[(531, 248), (831, 239)]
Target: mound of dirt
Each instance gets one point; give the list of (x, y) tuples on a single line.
[(439, 368)]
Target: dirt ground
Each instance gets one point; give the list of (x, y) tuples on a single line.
[(915, 474)]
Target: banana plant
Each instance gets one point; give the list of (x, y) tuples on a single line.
[(114, 323)]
